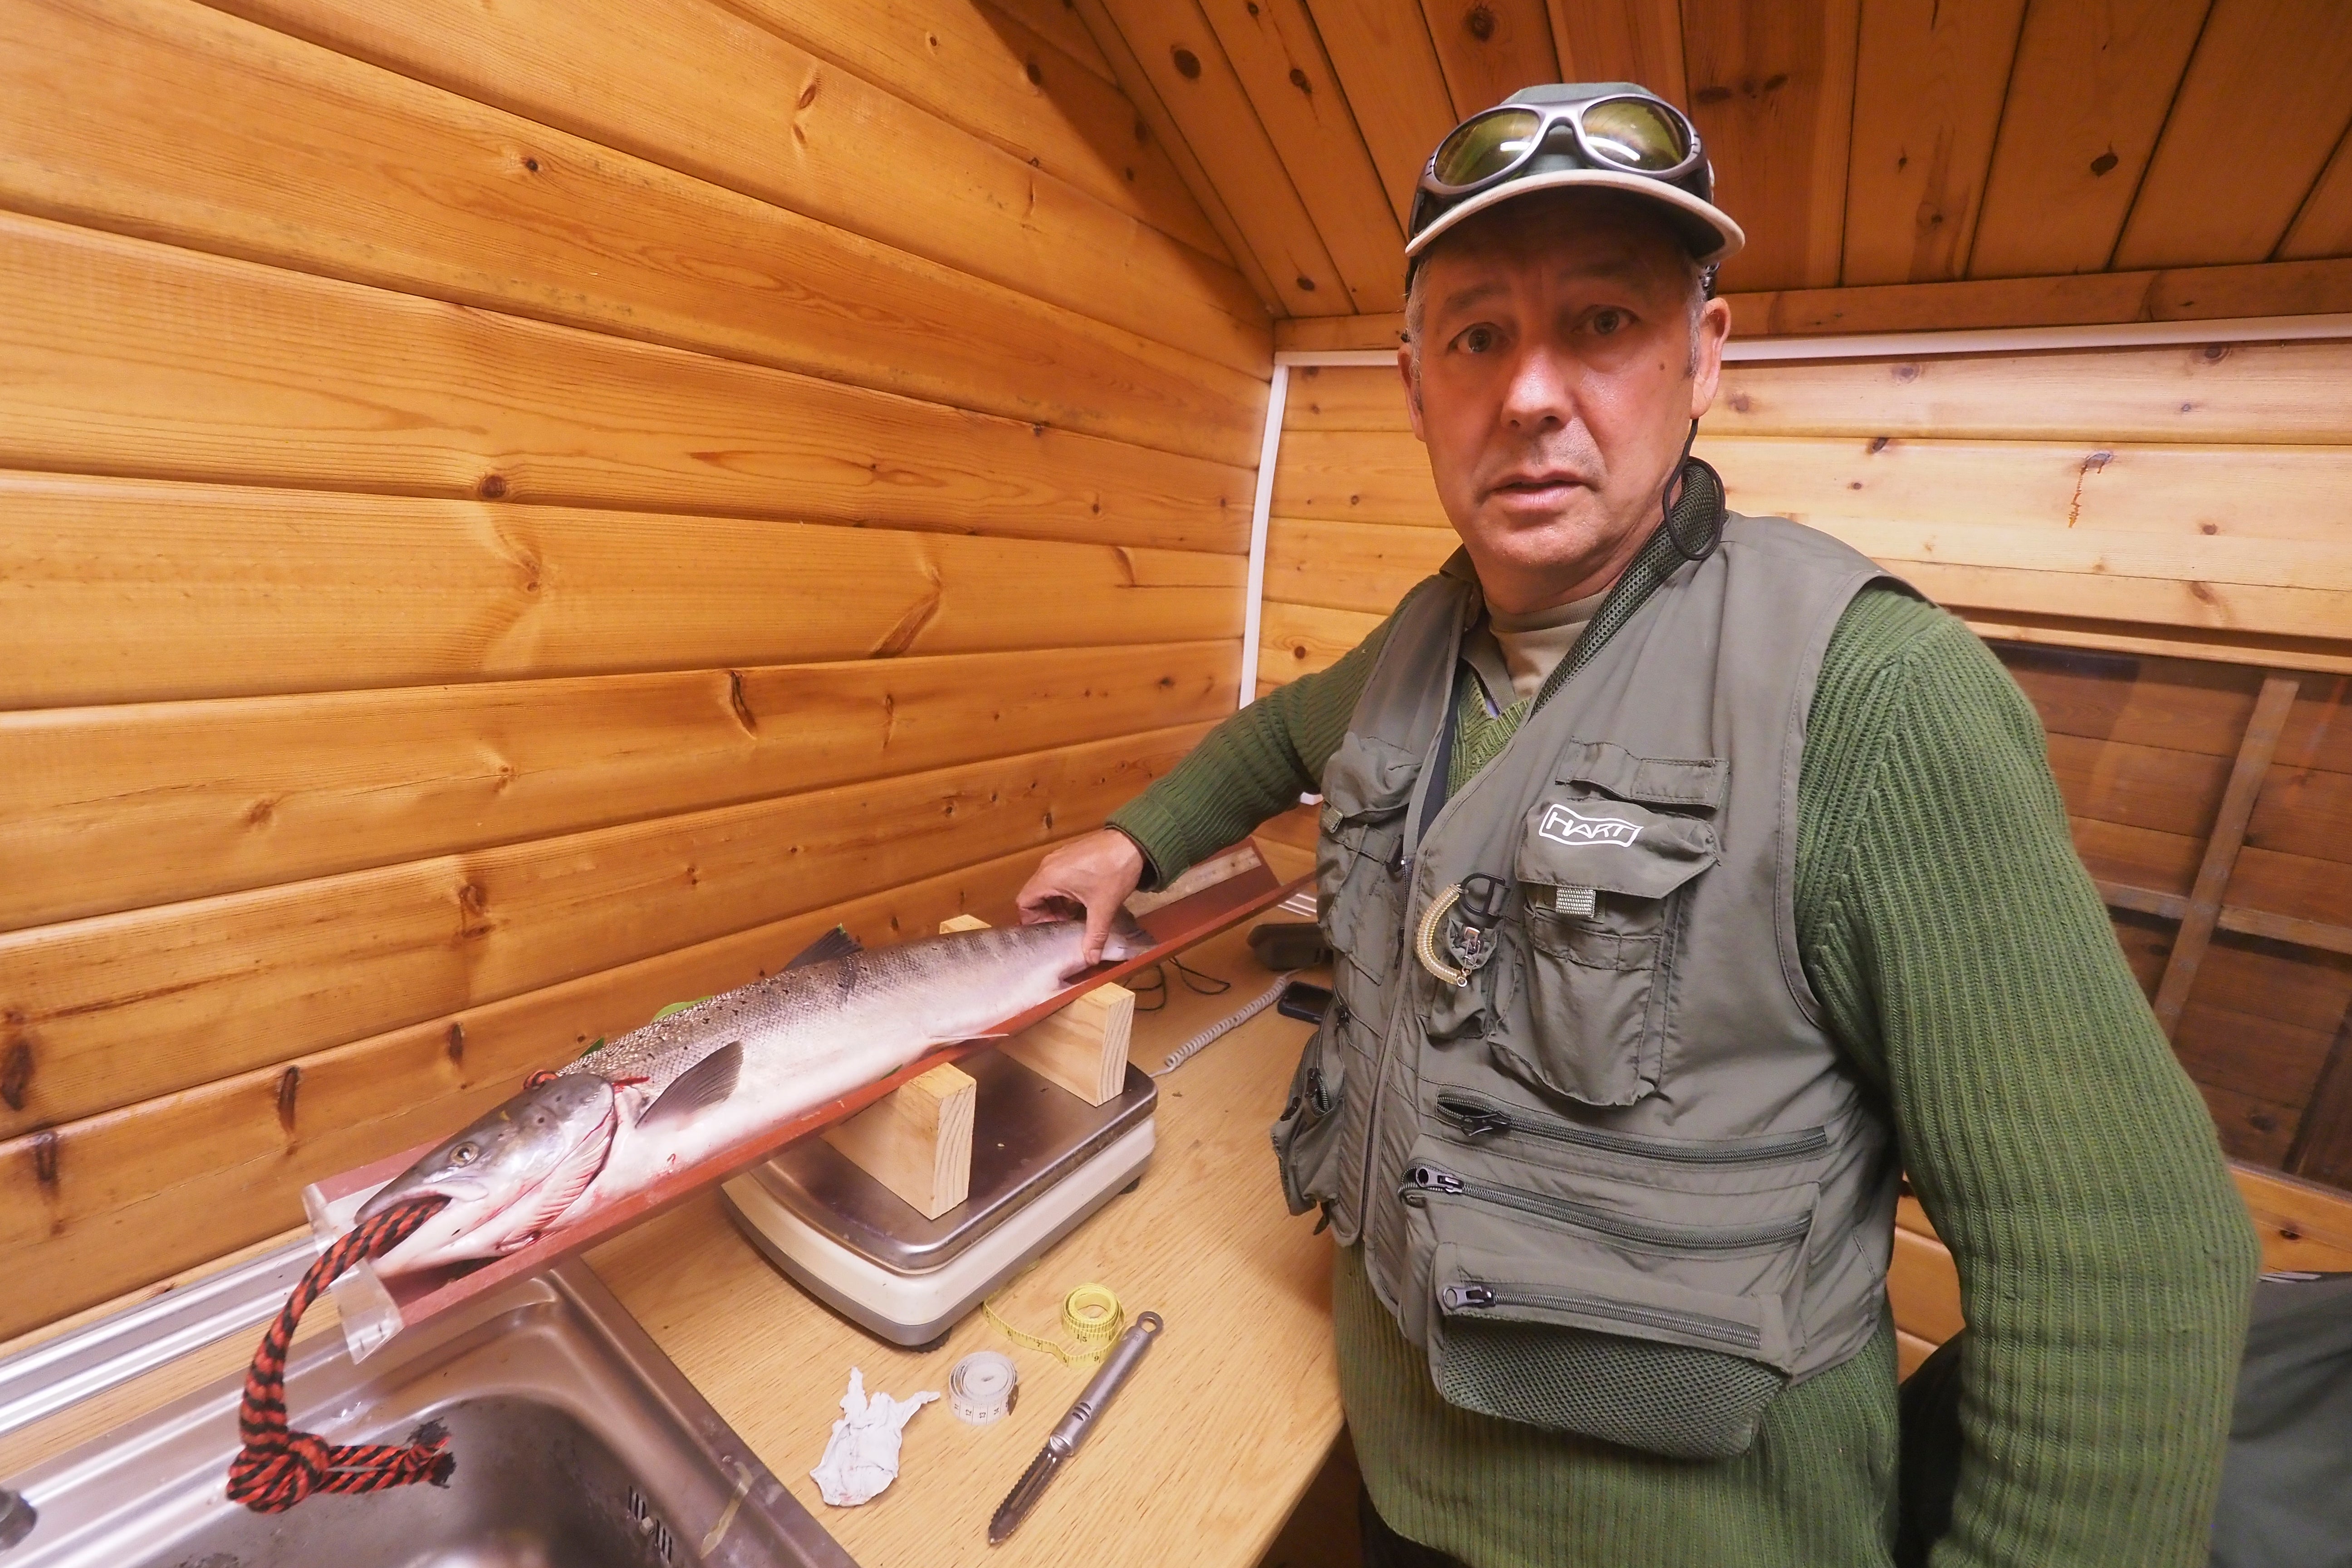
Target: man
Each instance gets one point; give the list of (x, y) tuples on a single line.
[(1691, 880)]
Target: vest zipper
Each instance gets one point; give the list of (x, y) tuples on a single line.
[(1424, 1180), (1475, 1116), (1475, 1295)]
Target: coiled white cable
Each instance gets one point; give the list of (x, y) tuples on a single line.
[(1224, 1026)]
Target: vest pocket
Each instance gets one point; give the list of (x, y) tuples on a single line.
[(1579, 1314), (1601, 881), (1359, 859), (1307, 1135)]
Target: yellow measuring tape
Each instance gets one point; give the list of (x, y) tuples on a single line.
[(1090, 1315)]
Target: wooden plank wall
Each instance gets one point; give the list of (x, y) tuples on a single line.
[(2154, 538), (517, 515)]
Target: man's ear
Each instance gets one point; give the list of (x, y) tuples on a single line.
[(1707, 370), (1411, 392)]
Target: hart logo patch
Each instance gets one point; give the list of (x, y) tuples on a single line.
[(1562, 826)]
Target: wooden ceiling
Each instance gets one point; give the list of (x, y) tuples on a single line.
[(1861, 142)]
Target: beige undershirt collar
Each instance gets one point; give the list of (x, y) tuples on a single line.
[(1515, 655)]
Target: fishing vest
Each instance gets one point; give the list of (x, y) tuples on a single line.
[(1573, 1093)]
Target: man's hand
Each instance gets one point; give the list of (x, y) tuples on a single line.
[(1092, 875)]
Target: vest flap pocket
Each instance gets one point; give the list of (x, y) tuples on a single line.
[(1641, 1363), (1368, 778), (1367, 786), (1578, 841), (1657, 1318), (1306, 1136), (1689, 783)]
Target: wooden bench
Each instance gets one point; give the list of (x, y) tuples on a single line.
[(2301, 1226)]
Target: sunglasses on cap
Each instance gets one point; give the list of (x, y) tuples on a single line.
[(1628, 133)]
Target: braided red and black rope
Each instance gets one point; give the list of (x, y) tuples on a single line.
[(276, 1467)]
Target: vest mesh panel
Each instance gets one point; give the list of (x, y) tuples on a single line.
[(1666, 1399)]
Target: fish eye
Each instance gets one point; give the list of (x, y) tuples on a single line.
[(464, 1153)]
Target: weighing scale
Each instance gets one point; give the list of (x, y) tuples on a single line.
[(1041, 1161)]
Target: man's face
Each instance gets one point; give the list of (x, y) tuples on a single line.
[(1556, 386)]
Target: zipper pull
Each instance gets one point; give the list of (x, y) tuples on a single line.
[(1456, 1298), (1474, 1121), (1432, 1179)]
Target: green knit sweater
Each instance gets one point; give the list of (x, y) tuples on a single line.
[(1969, 969)]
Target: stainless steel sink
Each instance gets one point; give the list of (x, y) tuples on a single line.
[(578, 1444)]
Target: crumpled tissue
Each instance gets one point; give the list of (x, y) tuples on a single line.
[(861, 1457)]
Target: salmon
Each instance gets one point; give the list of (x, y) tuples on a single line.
[(713, 1076)]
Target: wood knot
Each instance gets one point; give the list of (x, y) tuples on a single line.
[(2103, 162), (1298, 80), (531, 164), (1188, 63), (17, 1074), (454, 1047), (289, 1084), (742, 705), (44, 1159), (1480, 21), (1036, 73), (473, 909), (1306, 285), (492, 488), (2214, 354), (1905, 373), (1711, 95), (1742, 404), (1877, 445), (808, 94)]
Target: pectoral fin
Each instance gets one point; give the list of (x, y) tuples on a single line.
[(703, 1085)]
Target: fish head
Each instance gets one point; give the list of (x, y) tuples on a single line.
[(507, 1175)]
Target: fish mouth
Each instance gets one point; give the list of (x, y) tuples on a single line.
[(394, 1191)]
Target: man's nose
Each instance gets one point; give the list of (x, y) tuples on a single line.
[(1541, 395)]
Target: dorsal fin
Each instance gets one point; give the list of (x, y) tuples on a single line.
[(834, 943), (706, 1083)]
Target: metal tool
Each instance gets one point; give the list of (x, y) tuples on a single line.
[(1074, 1427)]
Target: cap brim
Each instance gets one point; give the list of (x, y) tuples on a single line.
[(1699, 219)]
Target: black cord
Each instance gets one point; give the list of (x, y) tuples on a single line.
[(1151, 982), (1669, 503), (1156, 986), (1199, 984)]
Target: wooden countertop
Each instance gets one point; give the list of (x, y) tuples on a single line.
[(1207, 1448)]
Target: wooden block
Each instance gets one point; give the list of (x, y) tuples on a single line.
[(917, 1141), (1083, 1047)]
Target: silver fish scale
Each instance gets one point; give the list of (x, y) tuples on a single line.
[(820, 993)]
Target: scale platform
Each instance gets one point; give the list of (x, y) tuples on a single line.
[(1041, 1161)]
